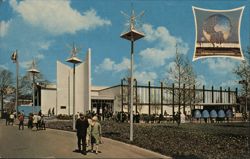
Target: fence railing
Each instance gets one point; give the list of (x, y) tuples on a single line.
[(174, 96)]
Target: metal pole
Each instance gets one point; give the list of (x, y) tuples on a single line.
[(149, 99), (69, 94), (33, 85), (173, 111), (122, 93), (37, 95), (74, 120), (246, 95), (184, 98), (131, 91), (136, 101), (17, 70), (56, 99), (179, 89), (161, 98), (212, 94), (203, 92)]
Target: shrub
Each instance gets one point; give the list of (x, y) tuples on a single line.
[(64, 117), (220, 140)]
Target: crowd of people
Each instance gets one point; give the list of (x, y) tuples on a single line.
[(9, 117), (35, 121)]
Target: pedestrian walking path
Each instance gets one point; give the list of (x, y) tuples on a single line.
[(52, 143)]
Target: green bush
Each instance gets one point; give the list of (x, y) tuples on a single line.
[(220, 140), (194, 141), (64, 117), (60, 125)]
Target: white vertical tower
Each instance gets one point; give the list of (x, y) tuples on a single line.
[(65, 86)]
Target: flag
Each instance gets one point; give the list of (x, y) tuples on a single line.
[(14, 56)]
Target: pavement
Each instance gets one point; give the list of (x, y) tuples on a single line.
[(52, 143)]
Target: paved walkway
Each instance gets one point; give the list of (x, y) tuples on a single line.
[(51, 143)]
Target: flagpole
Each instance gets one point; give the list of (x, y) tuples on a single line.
[(17, 70), (14, 58)]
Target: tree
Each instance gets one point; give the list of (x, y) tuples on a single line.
[(243, 72), (6, 81), (26, 81), (25, 87), (182, 74)]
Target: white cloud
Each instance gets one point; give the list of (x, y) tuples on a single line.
[(165, 46), (4, 67), (124, 65), (4, 26), (106, 65), (153, 57), (44, 45), (221, 65), (25, 64), (40, 56), (109, 65), (57, 16), (144, 77)]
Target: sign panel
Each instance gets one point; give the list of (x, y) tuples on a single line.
[(217, 33)]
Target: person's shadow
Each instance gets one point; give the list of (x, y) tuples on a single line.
[(77, 151)]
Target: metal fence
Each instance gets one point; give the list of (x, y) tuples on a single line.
[(172, 96)]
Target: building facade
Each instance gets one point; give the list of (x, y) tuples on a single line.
[(147, 99)]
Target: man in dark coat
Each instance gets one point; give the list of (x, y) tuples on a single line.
[(81, 126), (7, 118)]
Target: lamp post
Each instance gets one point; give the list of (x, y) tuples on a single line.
[(132, 35), (14, 58), (74, 60), (33, 71)]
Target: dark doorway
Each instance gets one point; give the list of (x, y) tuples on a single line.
[(103, 108)]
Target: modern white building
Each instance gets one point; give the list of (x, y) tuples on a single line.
[(147, 99), (60, 96)]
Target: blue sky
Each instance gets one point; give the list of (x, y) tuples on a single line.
[(46, 29)]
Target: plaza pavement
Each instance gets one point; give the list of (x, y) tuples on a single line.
[(51, 143)]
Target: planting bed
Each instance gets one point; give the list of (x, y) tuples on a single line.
[(196, 141)]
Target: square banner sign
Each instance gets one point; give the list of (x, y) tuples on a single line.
[(217, 33)]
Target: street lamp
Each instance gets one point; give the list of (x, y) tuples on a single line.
[(14, 58), (33, 71), (74, 60), (132, 35), (246, 84)]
